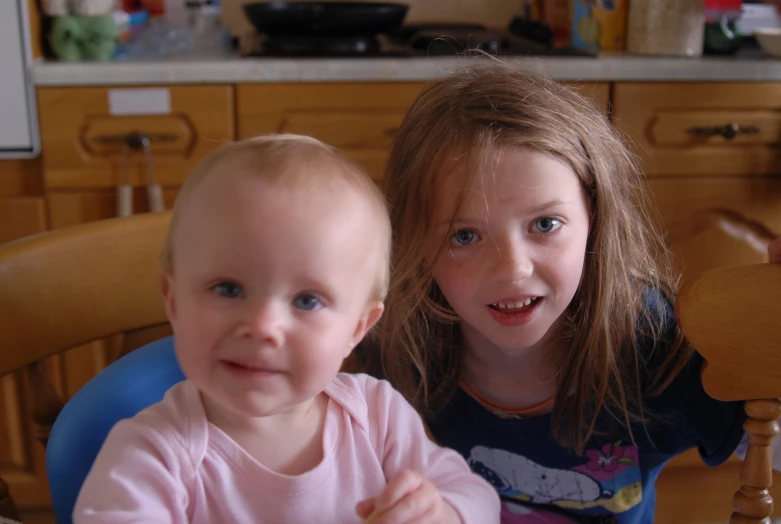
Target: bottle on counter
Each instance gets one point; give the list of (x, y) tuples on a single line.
[(599, 25), (666, 27), (721, 32)]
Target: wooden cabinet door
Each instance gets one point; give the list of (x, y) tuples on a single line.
[(695, 214)]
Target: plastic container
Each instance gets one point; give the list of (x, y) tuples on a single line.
[(721, 32), (599, 25), (666, 27)]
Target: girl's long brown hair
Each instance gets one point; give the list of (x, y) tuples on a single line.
[(455, 128)]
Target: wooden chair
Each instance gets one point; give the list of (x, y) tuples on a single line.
[(733, 317), (68, 287)]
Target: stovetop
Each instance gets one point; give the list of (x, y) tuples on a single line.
[(405, 43)]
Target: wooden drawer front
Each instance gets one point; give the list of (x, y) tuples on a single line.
[(691, 211), (359, 119), (77, 135), (702, 129)]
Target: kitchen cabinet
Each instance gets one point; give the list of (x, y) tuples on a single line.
[(82, 130), (710, 152), (360, 119), (695, 214), (702, 129)]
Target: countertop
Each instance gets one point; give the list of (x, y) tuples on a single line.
[(231, 69)]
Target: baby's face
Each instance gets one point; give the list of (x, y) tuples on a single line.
[(270, 290)]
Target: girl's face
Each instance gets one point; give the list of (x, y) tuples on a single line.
[(515, 252)]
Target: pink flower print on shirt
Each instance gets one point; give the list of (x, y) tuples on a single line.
[(607, 459)]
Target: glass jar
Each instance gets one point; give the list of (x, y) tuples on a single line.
[(666, 27)]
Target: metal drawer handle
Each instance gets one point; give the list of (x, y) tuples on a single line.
[(728, 132), (135, 140)]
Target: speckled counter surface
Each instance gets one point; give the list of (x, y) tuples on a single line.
[(231, 69)]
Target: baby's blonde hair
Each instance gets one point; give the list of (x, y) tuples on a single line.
[(456, 129), (295, 160)]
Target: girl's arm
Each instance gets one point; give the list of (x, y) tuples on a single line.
[(136, 478), (402, 445)]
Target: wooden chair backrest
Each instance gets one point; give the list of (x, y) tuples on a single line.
[(732, 316), (68, 287)]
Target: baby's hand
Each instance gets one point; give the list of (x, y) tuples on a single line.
[(408, 498)]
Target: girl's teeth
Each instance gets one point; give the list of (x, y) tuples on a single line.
[(514, 305)]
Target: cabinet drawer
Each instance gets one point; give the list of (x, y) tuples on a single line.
[(717, 129), (360, 119), (79, 133), (692, 211)]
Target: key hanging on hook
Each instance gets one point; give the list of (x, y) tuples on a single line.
[(154, 193), (133, 142), (124, 189)]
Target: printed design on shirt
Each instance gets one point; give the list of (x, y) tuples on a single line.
[(608, 479)]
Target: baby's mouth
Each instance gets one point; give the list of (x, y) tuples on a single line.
[(520, 306)]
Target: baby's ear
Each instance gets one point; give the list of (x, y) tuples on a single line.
[(370, 316), (168, 295)]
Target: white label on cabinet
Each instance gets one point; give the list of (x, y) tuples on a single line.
[(143, 101)]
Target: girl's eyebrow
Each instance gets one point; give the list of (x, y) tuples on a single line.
[(547, 205), (458, 220)]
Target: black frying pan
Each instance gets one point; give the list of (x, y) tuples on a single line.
[(325, 18)]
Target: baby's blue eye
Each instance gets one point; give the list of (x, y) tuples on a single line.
[(547, 224), (307, 302), (464, 237), (229, 290)]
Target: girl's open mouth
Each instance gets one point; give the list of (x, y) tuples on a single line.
[(516, 313), (510, 308)]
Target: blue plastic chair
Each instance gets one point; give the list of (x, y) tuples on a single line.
[(128, 385)]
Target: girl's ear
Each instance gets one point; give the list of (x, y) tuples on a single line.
[(370, 316), (168, 295)]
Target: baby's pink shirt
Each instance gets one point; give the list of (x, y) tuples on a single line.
[(169, 464)]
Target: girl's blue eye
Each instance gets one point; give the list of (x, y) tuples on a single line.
[(547, 224), (229, 290), (307, 302), (464, 237)]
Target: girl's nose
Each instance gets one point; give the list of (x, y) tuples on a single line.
[(513, 263), (264, 322)]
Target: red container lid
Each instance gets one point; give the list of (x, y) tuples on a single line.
[(724, 5)]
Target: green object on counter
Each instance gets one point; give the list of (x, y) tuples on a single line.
[(721, 37), (75, 38)]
